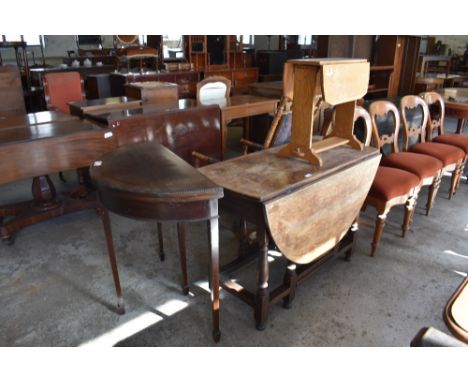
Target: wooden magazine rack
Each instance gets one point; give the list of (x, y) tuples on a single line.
[(339, 82)]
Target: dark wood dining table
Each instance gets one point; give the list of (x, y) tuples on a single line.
[(8, 120), (29, 149)]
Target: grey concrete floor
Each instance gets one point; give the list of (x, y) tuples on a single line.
[(56, 286)]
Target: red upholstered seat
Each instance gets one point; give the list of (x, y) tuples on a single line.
[(458, 140), (424, 166), (445, 153), (391, 182)]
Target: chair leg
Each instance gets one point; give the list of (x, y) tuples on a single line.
[(454, 180), (433, 192), (379, 226), (410, 206)]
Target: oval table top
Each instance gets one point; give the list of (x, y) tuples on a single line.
[(152, 169)]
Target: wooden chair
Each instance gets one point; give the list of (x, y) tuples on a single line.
[(452, 157), (61, 88), (391, 187), (11, 91), (427, 168), (435, 124), (280, 129), (213, 88)]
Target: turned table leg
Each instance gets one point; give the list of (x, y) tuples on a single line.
[(290, 281), (113, 261), (44, 194), (262, 297)]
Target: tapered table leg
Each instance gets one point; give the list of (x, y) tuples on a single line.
[(113, 261), (214, 274), (162, 255), (183, 257)]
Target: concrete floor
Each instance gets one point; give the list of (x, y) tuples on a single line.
[(56, 287)]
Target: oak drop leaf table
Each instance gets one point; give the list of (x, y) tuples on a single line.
[(306, 210)]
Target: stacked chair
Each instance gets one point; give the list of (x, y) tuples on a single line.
[(401, 174), (427, 168)]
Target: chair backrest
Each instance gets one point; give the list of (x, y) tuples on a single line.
[(61, 88), (418, 127), (381, 109), (11, 90), (213, 88), (436, 106), (361, 114), (280, 129)]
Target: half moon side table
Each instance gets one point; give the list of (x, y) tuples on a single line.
[(148, 181)]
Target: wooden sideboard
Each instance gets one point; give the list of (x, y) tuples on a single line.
[(186, 81), (240, 78)]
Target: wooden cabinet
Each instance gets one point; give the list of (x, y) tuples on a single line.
[(208, 51), (402, 53), (217, 55)]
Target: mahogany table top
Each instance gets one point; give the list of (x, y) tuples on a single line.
[(14, 120), (150, 168)]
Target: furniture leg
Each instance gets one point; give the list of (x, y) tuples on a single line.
[(113, 261), (460, 125), (183, 257), (290, 281), (262, 297), (458, 174), (352, 231), (224, 124), (409, 210), (246, 128), (44, 206), (454, 180), (44, 193), (214, 275), (162, 255), (379, 226), (433, 192)]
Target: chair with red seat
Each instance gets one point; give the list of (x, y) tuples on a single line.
[(391, 187), (452, 157), (61, 88), (435, 124), (427, 168)]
